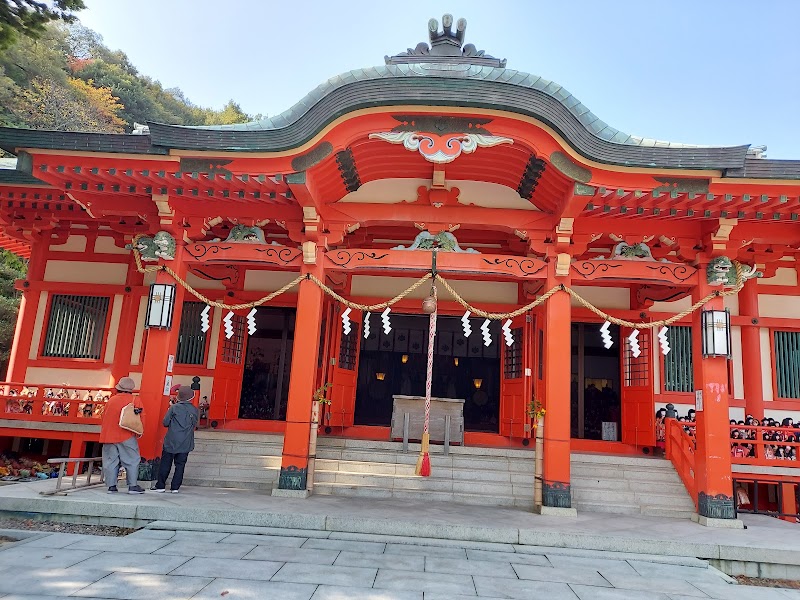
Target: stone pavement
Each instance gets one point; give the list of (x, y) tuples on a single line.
[(766, 540), (256, 563)]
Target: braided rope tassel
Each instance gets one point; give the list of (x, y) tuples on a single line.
[(424, 461)]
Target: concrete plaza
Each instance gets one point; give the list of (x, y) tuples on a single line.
[(212, 542)]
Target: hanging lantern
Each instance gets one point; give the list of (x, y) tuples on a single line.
[(160, 306), (716, 328)]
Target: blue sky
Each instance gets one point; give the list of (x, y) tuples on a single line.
[(720, 72)]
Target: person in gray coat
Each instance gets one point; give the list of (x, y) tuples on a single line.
[(180, 420)]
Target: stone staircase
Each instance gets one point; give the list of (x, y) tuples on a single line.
[(235, 460), (468, 475)]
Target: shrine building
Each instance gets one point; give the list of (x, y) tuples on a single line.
[(158, 254)]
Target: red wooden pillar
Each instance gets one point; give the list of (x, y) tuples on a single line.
[(160, 344), (127, 324), (713, 456), (751, 351), (557, 360), (26, 317), (294, 464)]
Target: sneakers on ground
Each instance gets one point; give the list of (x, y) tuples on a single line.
[(159, 490), (136, 489), (174, 491), (112, 490)]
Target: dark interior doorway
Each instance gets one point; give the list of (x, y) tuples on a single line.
[(462, 368), (265, 382), (595, 389)]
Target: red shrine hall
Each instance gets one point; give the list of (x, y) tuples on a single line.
[(583, 278)]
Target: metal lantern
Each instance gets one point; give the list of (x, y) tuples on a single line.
[(716, 331), (160, 306)]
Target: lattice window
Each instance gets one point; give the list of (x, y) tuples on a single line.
[(233, 347), (348, 348), (191, 339), (512, 357), (637, 368), (76, 326), (678, 373), (787, 363)]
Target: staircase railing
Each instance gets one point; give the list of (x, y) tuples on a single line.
[(680, 448)]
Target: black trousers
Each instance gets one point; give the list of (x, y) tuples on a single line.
[(166, 466)]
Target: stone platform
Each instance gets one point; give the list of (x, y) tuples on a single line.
[(767, 547)]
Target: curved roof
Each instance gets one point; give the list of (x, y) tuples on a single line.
[(463, 85)]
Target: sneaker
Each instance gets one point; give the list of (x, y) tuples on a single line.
[(112, 490), (174, 491), (136, 489), (159, 490)]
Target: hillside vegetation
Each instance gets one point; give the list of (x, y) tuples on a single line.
[(67, 79)]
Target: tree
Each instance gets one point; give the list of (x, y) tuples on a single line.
[(30, 17), (11, 269), (78, 106)]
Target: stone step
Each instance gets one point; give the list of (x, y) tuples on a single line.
[(335, 489), (638, 497), (228, 483), (232, 473), (406, 469), (607, 507), (615, 459), (419, 483), (670, 513), (618, 474), (238, 436), (410, 458), (626, 485), (243, 460)]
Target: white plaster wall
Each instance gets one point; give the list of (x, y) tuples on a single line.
[(736, 351), (73, 272), (766, 364), (213, 344), (732, 304), (74, 243), (113, 329), (672, 307), (138, 336), (656, 366), (105, 245), (88, 377), (787, 307), (736, 413), (38, 325), (267, 281), (780, 415), (199, 283), (603, 297), (137, 377), (472, 291), (783, 276)]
